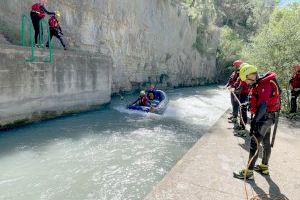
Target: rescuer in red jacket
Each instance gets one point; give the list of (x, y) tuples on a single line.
[(265, 104), (242, 92), (38, 12), (231, 84), (55, 29), (295, 87)]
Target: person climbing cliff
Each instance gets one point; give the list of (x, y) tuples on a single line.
[(265, 103), (55, 29), (295, 87), (38, 12), (231, 84)]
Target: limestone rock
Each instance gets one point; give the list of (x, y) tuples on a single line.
[(148, 40)]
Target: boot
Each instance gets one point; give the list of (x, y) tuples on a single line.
[(262, 169), (241, 133), (230, 118), (238, 127), (242, 174), (233, 120)]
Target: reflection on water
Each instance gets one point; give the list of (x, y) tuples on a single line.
[(110, 153)]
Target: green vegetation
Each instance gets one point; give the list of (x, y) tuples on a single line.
[(201, 13), (239, 21), (254, 30), (229, 50), (276, 47)]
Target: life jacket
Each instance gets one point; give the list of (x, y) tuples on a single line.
[(237, 83), (295, 81), (143, 100), (253, 100), (245, 87), (37, 8), (256, 92), (53, 22)]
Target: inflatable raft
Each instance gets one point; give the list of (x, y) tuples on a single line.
[(158, 105)]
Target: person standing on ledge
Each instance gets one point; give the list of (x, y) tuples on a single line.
[(231, 86), (38, 12), (55, 29), (295, 87), (266, 105), (242, 92)]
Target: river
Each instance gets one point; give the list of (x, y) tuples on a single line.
[(109, 153)]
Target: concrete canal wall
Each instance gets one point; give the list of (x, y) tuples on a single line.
[(30, 91)]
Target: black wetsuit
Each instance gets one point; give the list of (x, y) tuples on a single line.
[(57, 32), (36, 22)]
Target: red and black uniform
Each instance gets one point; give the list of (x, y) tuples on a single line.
[(264, 103), (55, 30), (38, 12), (232, 83), (143, 101), (242, 92), (232, 79), (295, 91)]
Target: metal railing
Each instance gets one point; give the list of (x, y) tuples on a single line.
[(26, 18), (49, 39), (30, 30)]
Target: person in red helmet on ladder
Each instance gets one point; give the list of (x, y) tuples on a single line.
[(55, 29), (38, 12)]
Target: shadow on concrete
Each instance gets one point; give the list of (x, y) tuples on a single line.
[(274, 192)]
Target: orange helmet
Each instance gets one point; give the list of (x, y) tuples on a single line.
[(237, 64)]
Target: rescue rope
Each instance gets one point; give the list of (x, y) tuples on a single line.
[(259, 196)]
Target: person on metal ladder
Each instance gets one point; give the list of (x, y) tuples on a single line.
[(265, 102), (55, 29), (38, 12)]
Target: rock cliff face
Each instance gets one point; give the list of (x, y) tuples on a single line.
[(148, 40)]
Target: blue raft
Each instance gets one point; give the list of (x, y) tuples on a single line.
[(158, 105)]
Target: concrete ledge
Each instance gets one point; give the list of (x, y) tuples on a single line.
[(205, 172), (31, 91)]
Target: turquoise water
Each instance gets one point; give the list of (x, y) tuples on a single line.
[(109, 153)]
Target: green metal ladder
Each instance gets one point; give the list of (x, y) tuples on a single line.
[(25, 18)]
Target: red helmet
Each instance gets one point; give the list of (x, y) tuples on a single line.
[(296, 67), (237, 64)]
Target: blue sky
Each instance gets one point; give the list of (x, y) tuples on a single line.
[(285, 2)]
